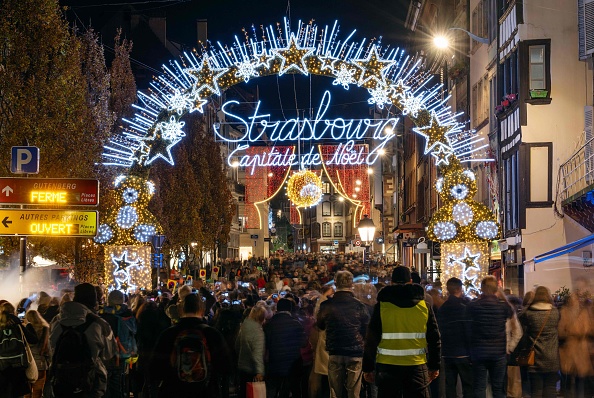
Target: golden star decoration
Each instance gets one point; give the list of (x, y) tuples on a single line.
[(372, 67), (442, 154), (293, 57), (206, 77), (434, 134)]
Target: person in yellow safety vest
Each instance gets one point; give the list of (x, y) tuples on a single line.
[(402, 344)]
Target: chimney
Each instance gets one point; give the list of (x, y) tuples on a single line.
[(201, 31)]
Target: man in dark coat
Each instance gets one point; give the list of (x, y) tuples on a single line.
[(164, 373), (345, 319), (402, 344), (488, 340), (455, 350), (284, 338)]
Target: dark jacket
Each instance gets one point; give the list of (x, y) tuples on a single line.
[(13, 381), (453, 327), (488, 315), (164, 375), (284, 338), (403, 296), (345, 319)]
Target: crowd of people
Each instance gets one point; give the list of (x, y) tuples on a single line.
[(299, 326)]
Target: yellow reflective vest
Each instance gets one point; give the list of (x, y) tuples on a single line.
[(403, 334)]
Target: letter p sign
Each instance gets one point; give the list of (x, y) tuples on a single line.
[(25, 160)]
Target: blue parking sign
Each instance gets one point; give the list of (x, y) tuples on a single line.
[(25, 160)]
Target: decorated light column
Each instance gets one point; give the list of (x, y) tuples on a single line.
[(126, 233), (462, 225)]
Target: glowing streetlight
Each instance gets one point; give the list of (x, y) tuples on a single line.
[(441, 42), (369, 171), (381, 152), (340, 199), (235, 163)]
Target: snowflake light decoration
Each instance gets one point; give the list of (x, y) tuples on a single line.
[(380, 95), (411, 104), (178, 102), (172, 130), (344, 77), (246, 70)]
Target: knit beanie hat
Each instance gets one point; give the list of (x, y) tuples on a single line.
[(401, 274), (86, 295), (115, 297)]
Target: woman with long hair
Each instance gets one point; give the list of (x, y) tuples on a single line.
[(13, 381), (41, 350), (539, 322)]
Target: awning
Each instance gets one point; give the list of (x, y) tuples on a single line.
[(568, 248)]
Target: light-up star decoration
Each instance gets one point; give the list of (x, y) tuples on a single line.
[(122, 277), (157, 147), (293, 57), (434, 134), (206, 77), (373, 67), (388, 74), (442, 155), (472, 268)]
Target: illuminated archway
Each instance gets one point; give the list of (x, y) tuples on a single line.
[(390, 76)]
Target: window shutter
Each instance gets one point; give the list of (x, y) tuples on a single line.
[(586, 28), (589, 143)]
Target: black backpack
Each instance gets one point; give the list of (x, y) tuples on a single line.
[(13, 353), (72, 371), (191, 357)]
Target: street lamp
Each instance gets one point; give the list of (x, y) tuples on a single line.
[(442, 41), (366, 230)]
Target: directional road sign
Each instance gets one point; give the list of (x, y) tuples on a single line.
[(49, 191), (48, 222)]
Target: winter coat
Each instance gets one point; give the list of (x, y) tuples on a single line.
[(488, 317), (41, 350), (164, 375), (99, 337), (546, 346), (345, 319), (284, 338), (453, 327), (575, 327), (13, 381), (250, 347), (321, 356), (403, 296)]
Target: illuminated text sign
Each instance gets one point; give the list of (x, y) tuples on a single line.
[(347, 132)]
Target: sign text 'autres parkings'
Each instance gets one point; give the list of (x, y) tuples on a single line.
[(344, 131)]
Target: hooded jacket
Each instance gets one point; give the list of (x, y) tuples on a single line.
[(99, 338), (403, 296)]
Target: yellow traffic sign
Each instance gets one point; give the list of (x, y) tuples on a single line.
[(48, 222)]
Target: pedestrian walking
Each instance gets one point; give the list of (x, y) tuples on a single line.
[(345, 319), (402, 345)]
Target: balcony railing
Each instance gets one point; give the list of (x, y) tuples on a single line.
[(577, 173)]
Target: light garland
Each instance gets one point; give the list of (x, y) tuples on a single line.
[(304, 189), (389, 75)]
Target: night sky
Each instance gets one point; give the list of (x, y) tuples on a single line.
[(226, 18)]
